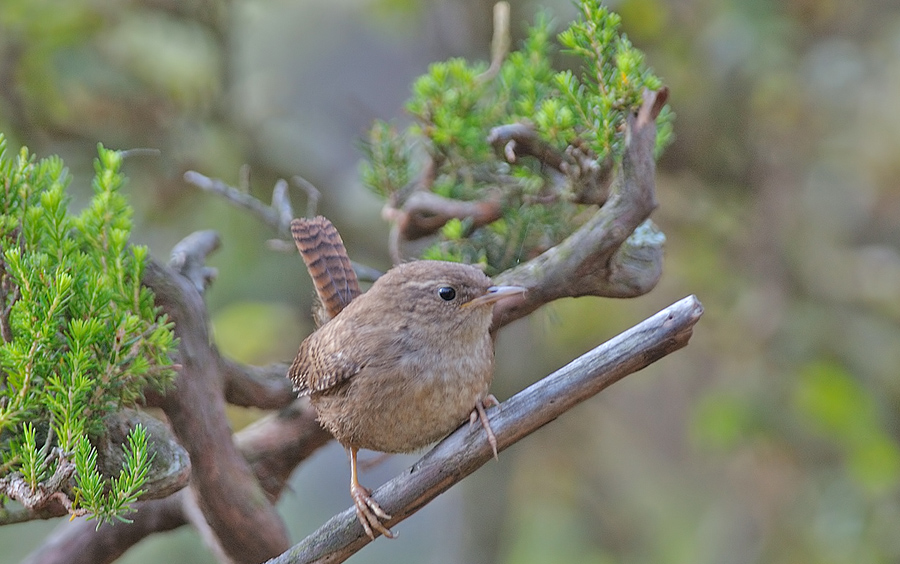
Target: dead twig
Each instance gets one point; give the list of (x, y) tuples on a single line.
[(277, 216)]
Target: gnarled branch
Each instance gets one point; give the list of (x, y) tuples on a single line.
[(273, 446), (170, 468), (245, 523), (609, 255)]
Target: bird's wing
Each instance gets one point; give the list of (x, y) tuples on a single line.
[(318, 370)]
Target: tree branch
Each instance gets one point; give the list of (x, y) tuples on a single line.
[(170, 468), (467, 449), (246, 524), (425, 213), (188, 258), (618, 252), (499, 42), (273, 446), (276, 444), (265, 387), (277, 216), (80, 542), (515, 139)]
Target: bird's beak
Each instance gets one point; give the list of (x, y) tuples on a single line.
[(495, 293)]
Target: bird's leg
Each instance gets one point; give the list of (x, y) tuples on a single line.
[(478, 412), (367, 509)]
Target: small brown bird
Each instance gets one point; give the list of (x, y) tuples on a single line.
[(402, 365)]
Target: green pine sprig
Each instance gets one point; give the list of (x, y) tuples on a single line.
[(455, 107), (108, 500), (81, 337)]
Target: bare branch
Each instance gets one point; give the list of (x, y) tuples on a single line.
[(248, 528), (519, 139), (467, 449), (265, 387), (281, 203), (45, 500), (312, 196), (188, 257), (424, 213), (587, 180), (499, 42), (82, 543), (273, 215), (276, 444)]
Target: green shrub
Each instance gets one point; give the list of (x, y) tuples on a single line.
[(81, 338), (456, 104)]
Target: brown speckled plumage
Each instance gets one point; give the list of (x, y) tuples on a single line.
[(323, 252), (411, 389), (400, 366)]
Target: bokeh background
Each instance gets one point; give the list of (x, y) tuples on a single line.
[(772, 438)]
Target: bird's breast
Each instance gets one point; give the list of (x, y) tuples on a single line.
[(424, 396)]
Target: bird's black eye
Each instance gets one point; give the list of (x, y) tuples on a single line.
[(446, 293)]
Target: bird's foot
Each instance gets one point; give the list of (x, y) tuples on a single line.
[(479, 413), (369, 512)]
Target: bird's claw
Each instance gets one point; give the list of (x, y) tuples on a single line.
[(479, 413), (369, 512)]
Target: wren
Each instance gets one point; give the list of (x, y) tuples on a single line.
[(400, 366)]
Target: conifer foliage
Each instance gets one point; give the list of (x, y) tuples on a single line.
[(81, 338), (534, 148)]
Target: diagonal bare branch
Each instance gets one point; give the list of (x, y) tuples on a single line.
[(467, 449)]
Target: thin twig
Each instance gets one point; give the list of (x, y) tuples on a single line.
[(499, 42), (268, 214), (281, 203), (312, 195)]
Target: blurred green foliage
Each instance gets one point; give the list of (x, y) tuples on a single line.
[(838, 407)]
